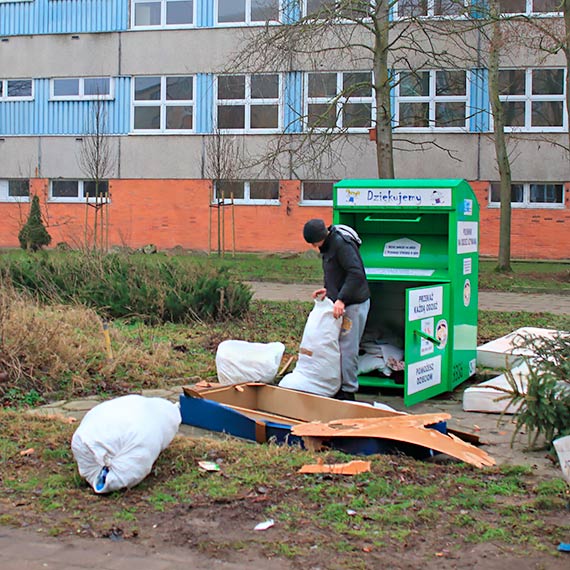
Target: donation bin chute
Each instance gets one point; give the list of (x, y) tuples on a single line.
[(420, 252)]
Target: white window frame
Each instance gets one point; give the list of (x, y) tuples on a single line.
[(163, 103), (80, 192), (432, 99), (248, 102), (5, 189), (6, 97), (246, 200), (340, 102), (529, 12), (81, 96), (14, 1), (305, 202), (431, 12), (528, 98), (305, 14), (526, 203), (162, 24), (248, 21)]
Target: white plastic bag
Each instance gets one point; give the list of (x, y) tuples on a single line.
[(241, 361), (318, 367), (562, 446), (118, 441)]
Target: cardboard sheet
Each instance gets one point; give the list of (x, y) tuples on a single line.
[(409, 429)]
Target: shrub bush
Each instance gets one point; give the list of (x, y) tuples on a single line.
[(118, 286), (545, 404), (33, 235)]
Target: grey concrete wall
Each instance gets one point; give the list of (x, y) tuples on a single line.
[(60, 56)]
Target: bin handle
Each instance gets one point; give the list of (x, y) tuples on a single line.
[(409, 220), (433, 340)]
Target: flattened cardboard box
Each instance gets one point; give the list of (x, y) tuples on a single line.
[(260, 412)]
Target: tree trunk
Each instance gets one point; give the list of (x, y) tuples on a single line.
[(501, 153), (383, 117), (566, 9)]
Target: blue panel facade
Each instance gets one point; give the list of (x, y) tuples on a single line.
[(204, 103), (44, 117), (479, 111), (293, 104), (204, 13), (63, 17)]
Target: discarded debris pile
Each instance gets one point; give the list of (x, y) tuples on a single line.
[(408, 428), (263, 413)]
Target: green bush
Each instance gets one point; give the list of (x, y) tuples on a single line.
[(33, 235), (119, 287), (545, 404)]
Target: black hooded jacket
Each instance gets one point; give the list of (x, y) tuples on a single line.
[(343, 269)]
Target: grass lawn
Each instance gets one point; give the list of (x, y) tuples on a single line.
[(306, 268), (403, 509)]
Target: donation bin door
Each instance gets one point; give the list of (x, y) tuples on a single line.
[(427, 342)]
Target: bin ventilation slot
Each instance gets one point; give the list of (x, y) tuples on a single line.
[(409, 220)]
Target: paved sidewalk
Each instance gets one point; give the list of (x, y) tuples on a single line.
[(488, 300), (27, 550)]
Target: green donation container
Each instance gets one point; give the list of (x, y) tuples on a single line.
[(420, 252)]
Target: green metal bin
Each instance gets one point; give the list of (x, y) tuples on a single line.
[(420, 252)]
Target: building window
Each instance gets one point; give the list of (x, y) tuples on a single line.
[(317, 192), (247, 11), (347, 11), (431, 8), (432, 99), (530, 195), (530, 6), (163, 104), (81, 88), (78, 190), (339, 100), (533, 99), (162, 13), (260, 192), (248, 103), (16, 90), (15, 190)]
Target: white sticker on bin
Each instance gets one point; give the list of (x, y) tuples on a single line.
[(399, 271), (425, 302)]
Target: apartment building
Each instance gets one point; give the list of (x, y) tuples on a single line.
[(160, 74)]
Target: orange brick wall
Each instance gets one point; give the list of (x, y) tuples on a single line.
[(171, 213), (535, 233)]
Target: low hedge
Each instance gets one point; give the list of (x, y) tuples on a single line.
[(118, 286)]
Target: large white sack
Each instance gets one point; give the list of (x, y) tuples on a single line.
[(318, 367), (562, 446), (241, 361), (118, 441)]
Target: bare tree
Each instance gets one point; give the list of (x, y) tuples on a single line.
[(97, 161), (496, 46), (223, 162), (358, 35)]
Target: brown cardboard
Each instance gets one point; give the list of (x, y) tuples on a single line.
[(407, 428), (272, 403)]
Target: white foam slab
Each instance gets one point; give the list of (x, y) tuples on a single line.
[(504, 352), (484, 397)]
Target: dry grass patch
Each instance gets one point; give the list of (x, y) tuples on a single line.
[(61, 350)]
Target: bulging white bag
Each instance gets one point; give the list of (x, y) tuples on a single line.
[(562, 446), (117, 442), (241, 361), (318, 367)]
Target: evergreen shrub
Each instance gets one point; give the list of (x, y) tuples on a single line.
[(33, 234)]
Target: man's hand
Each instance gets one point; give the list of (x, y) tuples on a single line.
[(338, 309), (319, 294)]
